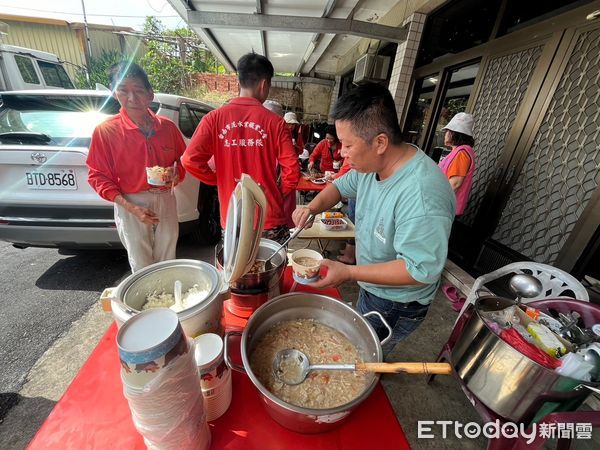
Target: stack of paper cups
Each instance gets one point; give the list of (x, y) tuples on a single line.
[(215, 376), (160, 382)]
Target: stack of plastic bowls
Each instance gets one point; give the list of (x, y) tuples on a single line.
[(160, 382)]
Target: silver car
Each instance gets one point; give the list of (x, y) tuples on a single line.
[(45, 198)]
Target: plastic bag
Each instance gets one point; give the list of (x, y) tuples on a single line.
[(169, 411), (516, 341), (573, 365)]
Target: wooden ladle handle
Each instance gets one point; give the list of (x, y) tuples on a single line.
[(407, 367)]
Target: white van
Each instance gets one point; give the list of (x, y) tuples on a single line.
[(25, 68)]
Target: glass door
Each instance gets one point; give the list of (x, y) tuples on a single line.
[(436, 99), (453, 99)]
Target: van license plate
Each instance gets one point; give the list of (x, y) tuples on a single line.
[(61, 179)]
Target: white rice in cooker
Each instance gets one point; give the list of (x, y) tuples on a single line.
[(191, 297), (322, 389)]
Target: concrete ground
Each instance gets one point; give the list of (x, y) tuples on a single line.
[(412, 398)]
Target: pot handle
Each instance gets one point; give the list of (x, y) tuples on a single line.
[(383, 321), (108, 296), (228, 360)]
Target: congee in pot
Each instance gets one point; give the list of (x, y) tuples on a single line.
[(322, 389)]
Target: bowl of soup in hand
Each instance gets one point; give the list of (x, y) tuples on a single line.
[(306, 265)]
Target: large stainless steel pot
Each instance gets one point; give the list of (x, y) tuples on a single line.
[(205, 317), (257, 283), (328, 311), (506, 381)]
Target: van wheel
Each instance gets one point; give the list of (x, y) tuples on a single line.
[(208, 231)]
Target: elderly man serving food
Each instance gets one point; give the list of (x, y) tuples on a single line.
[(403, 218)]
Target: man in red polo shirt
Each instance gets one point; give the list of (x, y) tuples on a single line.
[(245, 137), (122, 147)]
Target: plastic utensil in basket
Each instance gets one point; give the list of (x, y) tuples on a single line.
[(334, 224)]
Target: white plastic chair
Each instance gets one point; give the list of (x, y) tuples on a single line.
[(556, 283)]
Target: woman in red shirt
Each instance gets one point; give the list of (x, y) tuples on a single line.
[(327, 151)]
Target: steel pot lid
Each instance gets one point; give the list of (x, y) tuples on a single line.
[(243, 228)]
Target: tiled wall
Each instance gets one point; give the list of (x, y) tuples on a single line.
[(404, 63)]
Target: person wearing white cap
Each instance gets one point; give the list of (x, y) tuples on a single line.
[(459, 165), (294, 126), (274, 106)]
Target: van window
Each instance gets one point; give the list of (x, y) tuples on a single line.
[(55, 75), (26, 69), (189, 118)]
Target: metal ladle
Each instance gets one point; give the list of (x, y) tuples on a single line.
[(291, 366), (525, 286), (268, 263)]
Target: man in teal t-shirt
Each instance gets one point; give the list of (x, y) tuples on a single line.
[(404, 212)]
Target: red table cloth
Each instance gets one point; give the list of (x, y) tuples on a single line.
[(307, 185), (94, 414)]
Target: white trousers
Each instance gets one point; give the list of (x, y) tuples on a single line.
[(148, 244)]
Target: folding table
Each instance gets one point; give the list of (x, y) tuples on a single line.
[(94, 414)]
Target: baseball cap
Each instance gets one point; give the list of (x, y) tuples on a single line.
[(461, 123), (290, 117)]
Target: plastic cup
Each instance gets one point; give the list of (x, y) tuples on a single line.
[(306, 265)]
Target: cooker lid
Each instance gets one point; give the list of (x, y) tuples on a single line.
[(243, 228)]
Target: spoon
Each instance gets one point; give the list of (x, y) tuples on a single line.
[(291, 366), (177, 295), (525, 286), (268, 263)]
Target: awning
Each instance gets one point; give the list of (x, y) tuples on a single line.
[(300, 37)]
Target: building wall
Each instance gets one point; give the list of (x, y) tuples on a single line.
[(67, 40), (106, 40), (60, 40), (316, 99)]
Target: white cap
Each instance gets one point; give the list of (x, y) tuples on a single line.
[(274, 106), (461, 123), (290, 117)]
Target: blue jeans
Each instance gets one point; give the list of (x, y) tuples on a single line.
[(404, 318), (351, 208)]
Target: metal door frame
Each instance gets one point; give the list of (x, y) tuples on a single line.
[(558, 35)]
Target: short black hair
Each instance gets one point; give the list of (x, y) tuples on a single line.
[(456, 138), (370, 109), (331, 130), (252, 68), (126, 69)]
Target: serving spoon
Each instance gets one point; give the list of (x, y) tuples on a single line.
[(291, 366), (177, 294)]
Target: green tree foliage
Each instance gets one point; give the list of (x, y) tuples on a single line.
[(98, 70), (171, 59)]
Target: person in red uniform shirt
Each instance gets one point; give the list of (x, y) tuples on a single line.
[(327, 151), (245, 137), (121, 149)]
